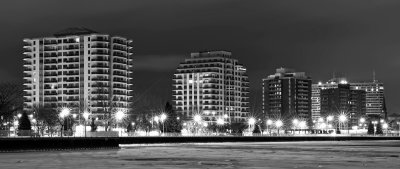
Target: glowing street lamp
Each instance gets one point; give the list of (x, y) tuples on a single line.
[(269, 122), (342, 118), (303, 125), (385, 127), (163, 117), (362, 121), (278, 124), (220, 121), (252, 121), (86, 115), (197, 118), (156, 119), (119, 115), (295, 122), (374, 122), (329, 118), (63, 114), (19, 115)]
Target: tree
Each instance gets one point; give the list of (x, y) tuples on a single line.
[(93, 126), (11, 101), (143, 123), (47, 116), (257, 129), (129, 128), (379, 128), (370, 128), (238, 128), (24, 122), (172, 123)]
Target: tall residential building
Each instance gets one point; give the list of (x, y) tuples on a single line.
[(287, 94), (78, 68), (343, 100), (212, 84), (375, 104)]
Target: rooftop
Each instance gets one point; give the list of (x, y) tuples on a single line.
[(74, 31)]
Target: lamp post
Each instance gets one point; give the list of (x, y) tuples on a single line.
[(374, 122), (63, 114), (278, 124), (398, 124), (302, 125), (119, 115), (342, 119), (163, 117), (295, 123), (197, 118), (385, 126), (362, 121), (269, 122), (220, 122), (85, 118), (251, 122)]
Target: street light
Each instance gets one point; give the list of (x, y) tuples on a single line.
[(278, 124), (119, 116), (303, 124), (163, 117), (251, 122), (374, 122), (362, 121), (63, 114), (342, 119), (85, 118), (197, 118), (385, 126), (269, 122), (295, 123), (220, 121), (19, 115)]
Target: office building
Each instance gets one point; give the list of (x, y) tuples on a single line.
[(343, 100), (375, 103)]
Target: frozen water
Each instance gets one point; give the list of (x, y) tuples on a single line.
[(345, 154)]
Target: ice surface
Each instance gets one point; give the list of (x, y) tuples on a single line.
[(345, 154)]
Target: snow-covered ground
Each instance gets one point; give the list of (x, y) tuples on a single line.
[(345, 154)]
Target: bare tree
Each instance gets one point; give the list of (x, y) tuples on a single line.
[(11, 101)]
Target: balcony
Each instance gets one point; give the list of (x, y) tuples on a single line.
[(99, 39), (100, 53)]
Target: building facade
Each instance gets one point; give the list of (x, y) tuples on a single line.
[(212, 84), (343, 100), (80, 69), (287, 94), (374, 96)]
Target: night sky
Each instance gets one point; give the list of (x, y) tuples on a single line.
[(314, 36)]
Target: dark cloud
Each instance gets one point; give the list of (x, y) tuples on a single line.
[(318, 37)]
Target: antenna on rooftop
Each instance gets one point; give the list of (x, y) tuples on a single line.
[(373, 76)]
